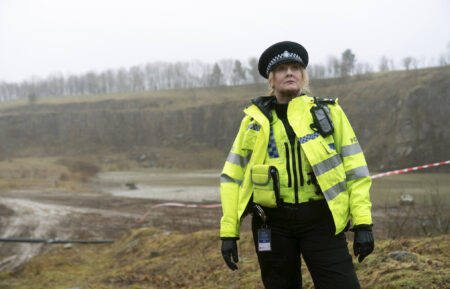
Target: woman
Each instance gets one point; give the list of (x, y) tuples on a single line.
[(297, 161)]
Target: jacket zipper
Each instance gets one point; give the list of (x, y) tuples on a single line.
[(288, 165), (300, 164), (294, 167)]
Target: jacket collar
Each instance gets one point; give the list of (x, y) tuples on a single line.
[(265, 104)]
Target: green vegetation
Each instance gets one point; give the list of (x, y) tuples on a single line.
[(20, 173), (49, 172), (150, 258)]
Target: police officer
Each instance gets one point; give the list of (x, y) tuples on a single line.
[(297, 162)]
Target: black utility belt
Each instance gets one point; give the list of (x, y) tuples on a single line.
[(300, 205), (321, 202)]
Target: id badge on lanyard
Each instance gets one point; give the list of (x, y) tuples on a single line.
[(264, 239), (264, 244)]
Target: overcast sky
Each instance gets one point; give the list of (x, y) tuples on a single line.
[(42, 37)]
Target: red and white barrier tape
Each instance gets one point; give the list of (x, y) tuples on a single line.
[(177, 205), (390, 173), (396, 172)]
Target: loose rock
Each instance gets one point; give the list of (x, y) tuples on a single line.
[(403, 256)]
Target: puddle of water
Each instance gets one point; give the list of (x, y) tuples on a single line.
[(194, 186), (172, 193)]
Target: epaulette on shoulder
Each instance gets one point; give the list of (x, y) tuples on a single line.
[(326, 100)]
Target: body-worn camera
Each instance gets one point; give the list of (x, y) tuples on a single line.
[(322, 120)]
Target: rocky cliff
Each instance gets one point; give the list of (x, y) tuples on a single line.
[(400, 118)]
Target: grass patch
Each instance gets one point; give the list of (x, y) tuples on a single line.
[(21, 173), (151, 258), (79, 170), (45, 172)]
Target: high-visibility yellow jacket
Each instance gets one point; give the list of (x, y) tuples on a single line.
[(336, 161)]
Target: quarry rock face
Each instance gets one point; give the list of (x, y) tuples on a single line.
[(400, 119)]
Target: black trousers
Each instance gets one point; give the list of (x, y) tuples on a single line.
[(308, 230)]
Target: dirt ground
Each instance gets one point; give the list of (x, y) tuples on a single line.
[(61, 214), (56, 213)]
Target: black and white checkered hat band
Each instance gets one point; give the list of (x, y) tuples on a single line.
[(285, 54)]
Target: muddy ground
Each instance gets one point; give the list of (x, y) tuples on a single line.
[(98, 212), (60, 214)]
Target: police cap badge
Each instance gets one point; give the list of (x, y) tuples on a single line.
[(279, 53)]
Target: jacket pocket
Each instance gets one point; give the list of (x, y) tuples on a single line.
[(263, 191), (329, 147)]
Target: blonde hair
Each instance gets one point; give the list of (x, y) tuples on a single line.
[(304, 85)]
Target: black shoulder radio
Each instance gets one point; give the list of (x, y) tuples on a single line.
[(322, 119)]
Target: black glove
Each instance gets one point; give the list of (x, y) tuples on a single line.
[(229, 248), (363, 243)]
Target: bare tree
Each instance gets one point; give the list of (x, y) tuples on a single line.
[(216, 77), (444, 58), (136, 78), (122, 80), (32, 97), (239, 74), (111, 85), (391, 64), (333, 66), (317, 71), (226, 66), (197, 73), (359, 68), (384, 64), (414, 63), (253, 70), (150, 77), (347, 63), (166, 75), (55, 84), (407, 62), (92, 82), (2, 91), (443, 61), (72, 85)]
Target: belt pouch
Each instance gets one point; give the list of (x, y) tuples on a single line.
[(263, 186)]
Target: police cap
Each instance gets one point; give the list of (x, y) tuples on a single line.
[(279, 53)]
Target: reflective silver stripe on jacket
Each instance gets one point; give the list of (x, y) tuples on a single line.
[(350, 150), (224, 178), (357, 173), (238, 159), (326, 165), (334, 191)]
